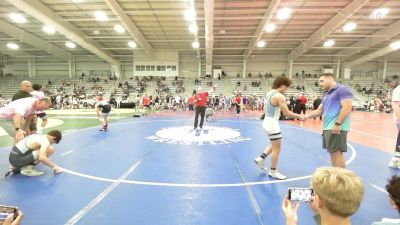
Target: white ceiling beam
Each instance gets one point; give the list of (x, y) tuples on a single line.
[(44, 14), (313, 10), (209, 32), (373, 55), (376, 38), (328, 28), (33, 40), (273, 5), (130, 25), (15, 53)]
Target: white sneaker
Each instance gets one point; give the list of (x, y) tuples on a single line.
[(395, 163), (260, 163), (31, 171), (276, 174)]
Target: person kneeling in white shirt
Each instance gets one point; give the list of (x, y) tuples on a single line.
[(32, 150)]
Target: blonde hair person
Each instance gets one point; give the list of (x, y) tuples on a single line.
[(338, 194)]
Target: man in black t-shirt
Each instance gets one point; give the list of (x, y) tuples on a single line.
[(316, 104), (26, 88)]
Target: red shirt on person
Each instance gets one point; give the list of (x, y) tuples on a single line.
[(303, 100), (238, 99), (201, 98), (146, 101), (191, 100)]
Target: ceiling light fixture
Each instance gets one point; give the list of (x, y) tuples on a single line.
[(70, 44), (261, 44), (395, 45), (329, 43), (100, 16), (284, 13), (196, 44), (190, 15), (16, 17), (193, 28), (379, 13), (270, 27), (49, 29), (119, 28), (12, 46), (132, 44), (349, 26)]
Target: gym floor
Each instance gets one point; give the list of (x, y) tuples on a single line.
[(156, 170)]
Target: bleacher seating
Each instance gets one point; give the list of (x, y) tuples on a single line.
[(229, 86)]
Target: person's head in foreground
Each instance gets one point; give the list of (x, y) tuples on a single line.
[(393, 188), (338, 194)]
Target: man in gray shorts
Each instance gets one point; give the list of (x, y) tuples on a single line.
[(336, 107), (32, 150)]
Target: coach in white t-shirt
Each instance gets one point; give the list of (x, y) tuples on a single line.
[(17, 115), (394, 83)]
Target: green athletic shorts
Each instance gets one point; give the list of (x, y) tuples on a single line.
[(334, 142)]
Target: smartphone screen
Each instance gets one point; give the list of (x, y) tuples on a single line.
[(300, 194), (5, 211)]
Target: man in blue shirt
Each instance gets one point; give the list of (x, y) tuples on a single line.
[(336, 107)]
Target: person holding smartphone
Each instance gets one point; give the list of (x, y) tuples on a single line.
[(12, 220), (337, 196)]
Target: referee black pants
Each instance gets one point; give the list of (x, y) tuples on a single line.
[(200, 110), (302, 109), (237, 108)]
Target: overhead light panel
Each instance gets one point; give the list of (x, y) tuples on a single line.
[(261, 44), (284, 13), (193, 28), (196, 44), (349, 26), (70, 44), (270, 27), (119, 28), (16, 17), (100, 16), (12, 46), (379, 13), (49, 29), (132, 44), (329, 43), (395, 45), (190, 15)]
